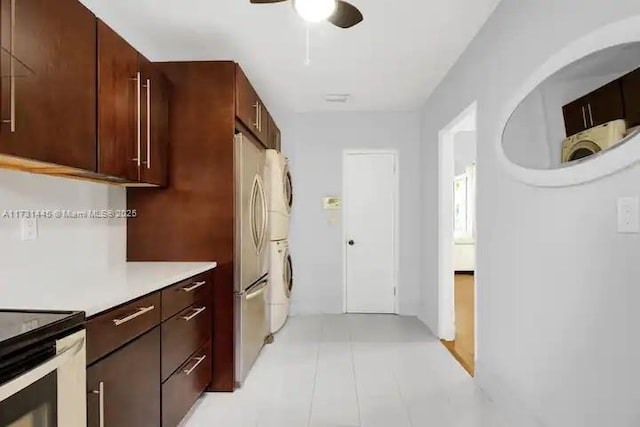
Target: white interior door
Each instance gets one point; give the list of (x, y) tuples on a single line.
[(370, 210)]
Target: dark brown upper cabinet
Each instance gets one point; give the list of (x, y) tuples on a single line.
[(631, 94), (133, 105), (598, 107), (48, 85), (606, 104), (274, 135), (154, 150), (117, 98), (247, 102), (249, 108)]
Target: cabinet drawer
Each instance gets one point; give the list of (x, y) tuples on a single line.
[(183, 334), (184, 387), (107, 332), (183, 294)]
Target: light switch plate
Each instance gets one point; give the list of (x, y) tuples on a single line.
[(29, 228), (628, 215)]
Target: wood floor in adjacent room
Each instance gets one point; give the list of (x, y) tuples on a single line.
[(464, 345)]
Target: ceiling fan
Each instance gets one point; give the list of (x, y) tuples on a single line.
[(338, 12)]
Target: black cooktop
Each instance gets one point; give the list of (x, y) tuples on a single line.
[(20, 328)]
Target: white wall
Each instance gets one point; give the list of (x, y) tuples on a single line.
[(464, 150), (557, 285), (314, 144), (63, 245)]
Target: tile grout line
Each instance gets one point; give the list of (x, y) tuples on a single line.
[(405, 407), (315, 376), (355, 376)]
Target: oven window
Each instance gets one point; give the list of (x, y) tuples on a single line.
[(35, 406)]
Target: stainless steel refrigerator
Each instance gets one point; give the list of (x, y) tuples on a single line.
[(251, 263)]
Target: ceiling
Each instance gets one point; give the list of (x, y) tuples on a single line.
[(390, 62)]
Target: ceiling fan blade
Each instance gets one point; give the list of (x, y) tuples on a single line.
[(266, 1), (346, 15)]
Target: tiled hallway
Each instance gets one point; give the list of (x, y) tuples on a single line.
[(352, 370)]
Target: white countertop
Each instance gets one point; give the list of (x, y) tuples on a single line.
[(94, 291)]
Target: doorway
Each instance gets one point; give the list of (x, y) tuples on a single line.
[(370, 231), (457, 323)]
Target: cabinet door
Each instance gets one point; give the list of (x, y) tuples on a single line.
[(248, 107), (117, 112), (48, 109), (127, 384), (155, 124), (605, 104), (631, 95), (575, 117), (274, 135), (263, 131)]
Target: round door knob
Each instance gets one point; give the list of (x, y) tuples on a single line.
[(351, 242)]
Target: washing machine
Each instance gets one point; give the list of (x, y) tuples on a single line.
[(280, 283), (280, 194), (592, 141)]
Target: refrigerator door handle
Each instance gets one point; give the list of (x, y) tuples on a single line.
[(265, 215), (257, 290), (252, 208)]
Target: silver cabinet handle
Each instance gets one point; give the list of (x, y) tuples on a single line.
[(100, 393), (260, 115), (138, 313), (584, 118), (194, 286), (12, 71), (193, 368), (196, 311), (148, 124), (138, 158), (590, 114), (257, 123)]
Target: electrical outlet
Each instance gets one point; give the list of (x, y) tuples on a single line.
[(29, 228), (628, 215)]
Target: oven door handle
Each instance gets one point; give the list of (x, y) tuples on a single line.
[(25, 380)]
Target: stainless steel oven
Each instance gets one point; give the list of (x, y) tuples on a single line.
[(43, 378)]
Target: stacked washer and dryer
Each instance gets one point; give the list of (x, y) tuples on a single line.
[(280, 195)]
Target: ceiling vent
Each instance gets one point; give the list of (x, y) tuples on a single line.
[(337, 98)]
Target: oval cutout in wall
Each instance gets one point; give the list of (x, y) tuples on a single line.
[(578, 117)]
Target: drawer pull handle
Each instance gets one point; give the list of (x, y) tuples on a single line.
[(132, 316), (193, 368), (194, 286), (196, 311)]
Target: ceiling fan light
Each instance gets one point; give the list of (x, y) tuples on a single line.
[(315, 10)]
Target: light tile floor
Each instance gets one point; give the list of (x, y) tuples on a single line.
[(352, 370)]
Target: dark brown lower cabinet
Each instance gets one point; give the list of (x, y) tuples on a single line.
[(151, 358), (124, 387), (183, 388), (184, 333)]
